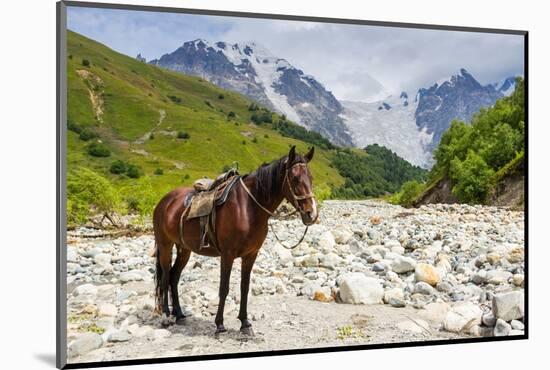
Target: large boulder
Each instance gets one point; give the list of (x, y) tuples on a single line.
[(85, 343), (356, 288), (462, 317), (509, 306)]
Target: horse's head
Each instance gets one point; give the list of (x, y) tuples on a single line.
[(298, 185)]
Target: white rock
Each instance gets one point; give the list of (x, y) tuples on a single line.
[(517, 325), (128, 276), (342, 234), (326, 242), (479, 277), (120, 336), (356, 288), (509, 306), (394, 297), (502, 328), (423, 288), (284, 255), (462, 316), (107, 309), (416, 326), (102, 259), (403, 264), (85, 290), (489, 319), (498, 276), (330, 260), (72, 255), (84, 343)]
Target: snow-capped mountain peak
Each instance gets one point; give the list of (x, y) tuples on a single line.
[(251, 69), (507, 86)]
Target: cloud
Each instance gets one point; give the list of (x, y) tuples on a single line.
[(355, 62)]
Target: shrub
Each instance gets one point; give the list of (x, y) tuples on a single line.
[(159, 172), (255, 140), (151, 136), (118, 167), (85, 62), (175, 99), (72, 126), (183, 135), (186, 177), (98, 150), (471, 178), (221, 96), (88, 193), (87, 134), (253, 107), (133, 171), (231, 115), (409, 192)]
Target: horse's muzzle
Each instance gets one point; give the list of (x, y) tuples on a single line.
[(309, 217)]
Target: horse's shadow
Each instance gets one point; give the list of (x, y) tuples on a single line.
[(198, 326)]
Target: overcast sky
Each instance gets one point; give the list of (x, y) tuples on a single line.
[(355, 62)]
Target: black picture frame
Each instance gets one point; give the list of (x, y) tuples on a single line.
[(61, 170)]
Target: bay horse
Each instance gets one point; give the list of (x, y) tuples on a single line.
[(241, 227)]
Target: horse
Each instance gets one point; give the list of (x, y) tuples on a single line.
[(241, 226)]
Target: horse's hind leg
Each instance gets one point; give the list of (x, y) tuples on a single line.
[(175, 273), (164, 261)]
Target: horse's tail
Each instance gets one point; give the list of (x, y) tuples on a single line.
[(158, 278), (158, 269)]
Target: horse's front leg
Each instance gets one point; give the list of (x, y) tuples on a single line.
[(246, 269), (225, 275)]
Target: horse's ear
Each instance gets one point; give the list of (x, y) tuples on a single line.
[(292, 155), (309, 156)]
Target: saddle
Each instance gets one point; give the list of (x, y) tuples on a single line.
[(202, 202)]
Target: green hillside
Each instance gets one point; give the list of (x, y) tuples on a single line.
[(136, 131), (164, 122)]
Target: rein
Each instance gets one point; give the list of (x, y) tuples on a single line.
[(297, 207)]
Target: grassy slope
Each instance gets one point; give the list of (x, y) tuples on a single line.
[(133, 95)]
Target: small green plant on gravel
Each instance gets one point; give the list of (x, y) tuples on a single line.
[(345, 332)]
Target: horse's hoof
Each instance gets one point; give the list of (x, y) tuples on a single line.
[(181, 320), (248, 331), (165, 321), (220, 329)]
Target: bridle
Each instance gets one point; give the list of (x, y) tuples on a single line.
[(295, 197), (295, 203)]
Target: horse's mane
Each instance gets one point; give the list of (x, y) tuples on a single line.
[(269, 178)]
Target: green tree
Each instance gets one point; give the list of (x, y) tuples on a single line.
[(471, 178), (89, 193)]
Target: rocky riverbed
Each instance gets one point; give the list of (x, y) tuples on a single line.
[(368, 272)]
